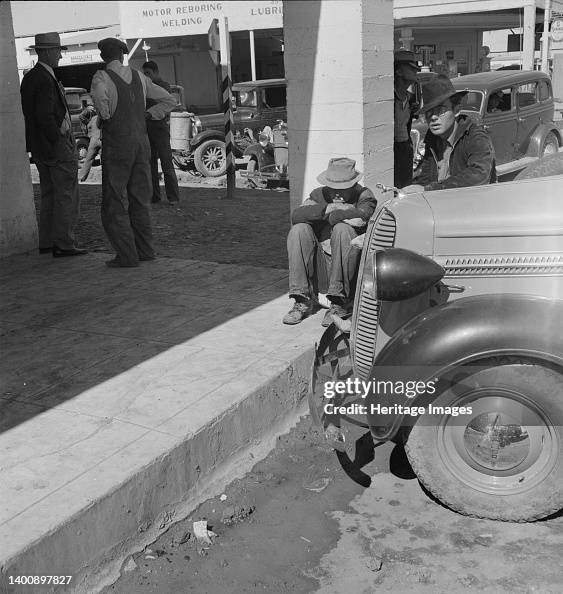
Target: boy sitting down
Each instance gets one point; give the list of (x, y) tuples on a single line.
[(321, 258)]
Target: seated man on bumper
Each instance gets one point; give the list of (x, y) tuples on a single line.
[(321, 258)]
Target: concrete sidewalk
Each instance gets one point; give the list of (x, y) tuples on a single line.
[(128, 396)]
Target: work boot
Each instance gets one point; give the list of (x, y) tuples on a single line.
[(299, 311)]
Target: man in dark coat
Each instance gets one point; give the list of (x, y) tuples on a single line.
[(50, 140), (159, 138), (319, 244), (459, 152)]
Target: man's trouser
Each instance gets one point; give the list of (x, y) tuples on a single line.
[(60, 203), (311, 270), (159, 137), (403, 156), (126, 195)]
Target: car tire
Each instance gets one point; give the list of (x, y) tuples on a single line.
[(210, 158), (552, 165), (462, 460), (550, 145), (82, 148)]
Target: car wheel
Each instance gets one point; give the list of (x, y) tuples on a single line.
[(504, 461), (550, 145), (552, 165), (210, 158), (82, 148)]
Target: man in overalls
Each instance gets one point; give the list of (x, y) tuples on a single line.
[(119, 94)]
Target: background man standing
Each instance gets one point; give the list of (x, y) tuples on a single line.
[(49, 138), (119, 94), (159, 138), (405, 69)]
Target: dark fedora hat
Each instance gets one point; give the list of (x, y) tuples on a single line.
[(47, 41), (403, 56), (436, 91), (112, 42), (340, 174)]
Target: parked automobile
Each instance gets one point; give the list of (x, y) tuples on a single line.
[(521, 126), (77, 99), (267, 163), (458, 307), (256, 104)]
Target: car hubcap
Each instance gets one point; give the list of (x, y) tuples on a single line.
[(507, 445)]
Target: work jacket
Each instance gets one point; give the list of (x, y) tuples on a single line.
[(472, 160)]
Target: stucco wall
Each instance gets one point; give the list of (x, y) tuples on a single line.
[(338, 62), (18, 226)]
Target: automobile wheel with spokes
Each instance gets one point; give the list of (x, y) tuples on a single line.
[(210, 158), (504, 460)]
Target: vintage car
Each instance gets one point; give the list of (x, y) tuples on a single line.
[(256, 104), (77, 98), (517, 109), (455, 346)]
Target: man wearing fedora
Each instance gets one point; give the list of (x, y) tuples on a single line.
[(405, 69), (50, 141), (459, 152), (321, 258), (120, 95)]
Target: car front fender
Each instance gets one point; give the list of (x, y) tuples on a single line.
[(459, 333), (206, 135)]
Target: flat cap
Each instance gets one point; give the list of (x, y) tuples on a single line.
[(112, 42)]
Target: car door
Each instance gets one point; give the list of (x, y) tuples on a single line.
[(500, 121), (529, 111)]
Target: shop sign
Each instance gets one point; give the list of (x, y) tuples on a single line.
[(163, 19), (80, 57), (557, 30)]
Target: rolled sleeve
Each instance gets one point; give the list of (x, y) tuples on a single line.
[(165, 102)]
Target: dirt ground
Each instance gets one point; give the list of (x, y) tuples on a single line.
[(249, 229), (298, 524)]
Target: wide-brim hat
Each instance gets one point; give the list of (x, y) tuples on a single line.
[(436, 90), (340, 174), (47, 41), (112, 42), (403, 56)]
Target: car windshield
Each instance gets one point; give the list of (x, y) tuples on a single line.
[(472, 101), (245, 98)]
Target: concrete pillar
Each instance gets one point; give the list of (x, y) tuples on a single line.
[(339, 65), (529, 36), (18, 224)]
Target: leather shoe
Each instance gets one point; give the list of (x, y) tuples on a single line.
[(45, 250), (116, 263), (60, 253)]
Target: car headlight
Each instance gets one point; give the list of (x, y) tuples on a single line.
[(401, 274), (197, 125)]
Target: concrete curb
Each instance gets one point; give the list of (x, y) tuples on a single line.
[(92, 545)]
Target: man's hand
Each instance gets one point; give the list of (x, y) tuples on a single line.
[(356, 222), (339, 206), (412, 189), (309, 202)]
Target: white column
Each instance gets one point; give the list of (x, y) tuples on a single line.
[(529, 36), (545, 36), (252, 55), (18, 224), (339, 65)]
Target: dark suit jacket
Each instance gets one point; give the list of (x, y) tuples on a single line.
[(44, 108)]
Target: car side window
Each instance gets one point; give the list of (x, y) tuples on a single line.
[(526, 94), (544, 90), (275, 97), (500, 101)]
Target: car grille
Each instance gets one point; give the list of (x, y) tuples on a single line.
[(503, 265), (366, 310)]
